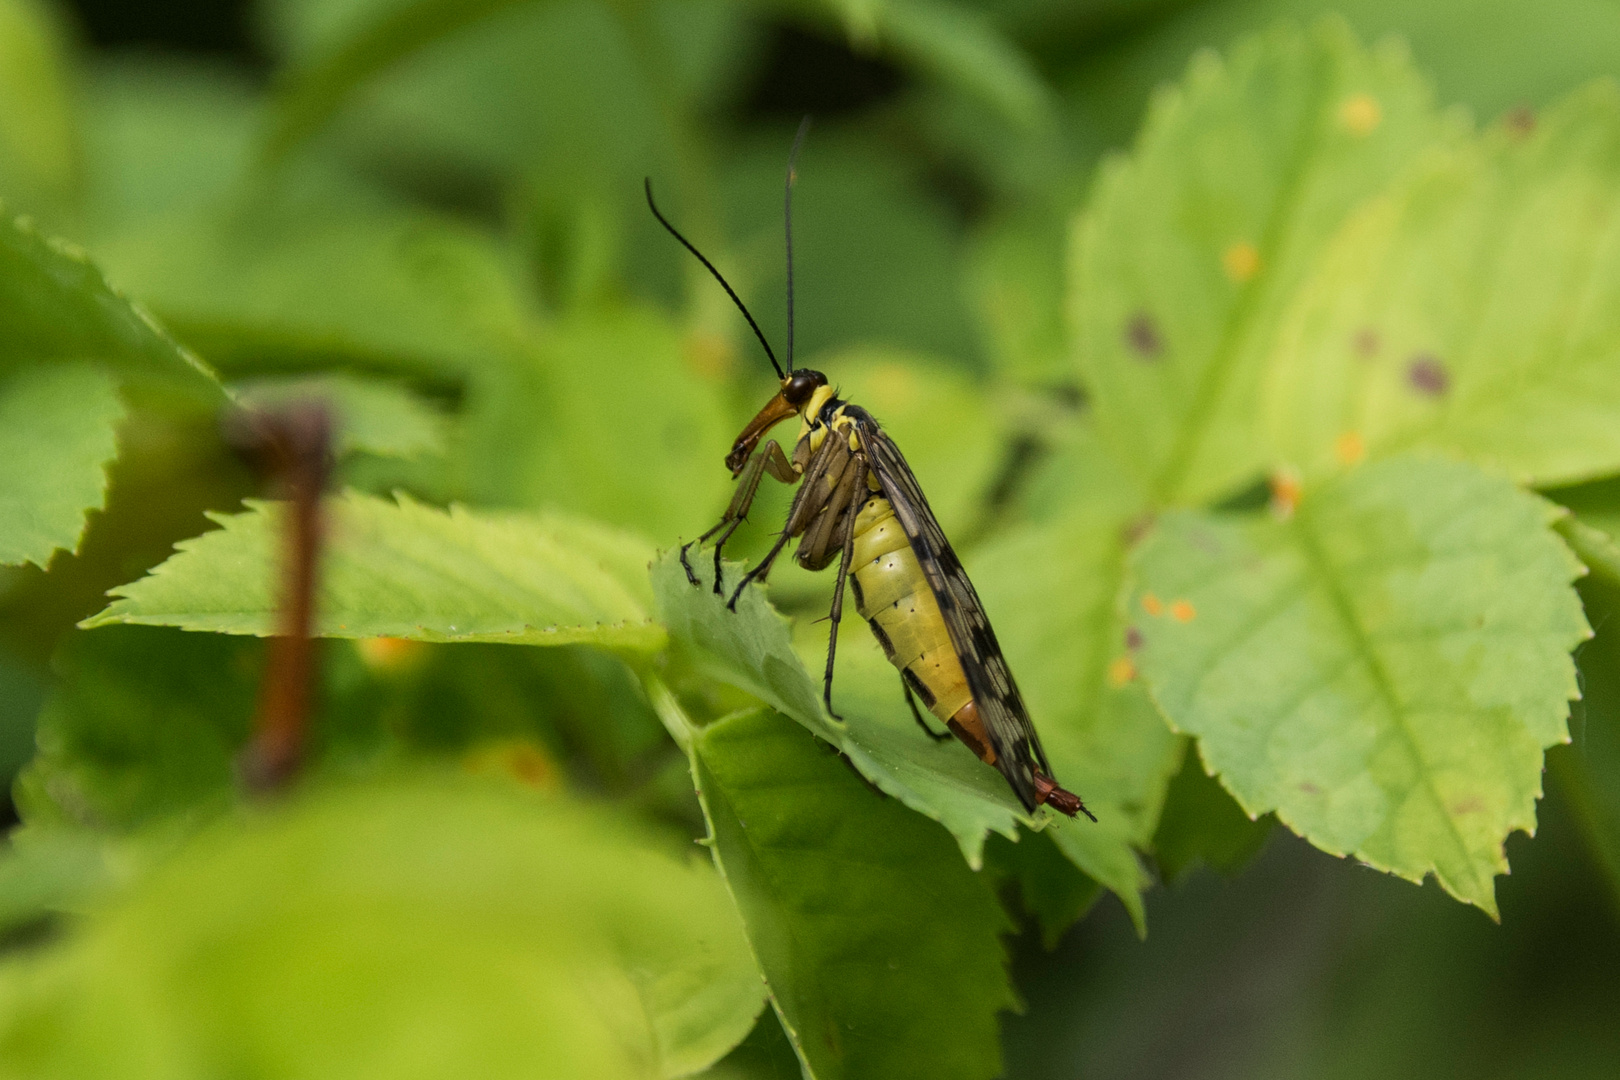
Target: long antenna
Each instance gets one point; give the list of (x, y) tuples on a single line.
[(787, 224), (735, 299)]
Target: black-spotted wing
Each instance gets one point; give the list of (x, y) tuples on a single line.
[(1006, 720)]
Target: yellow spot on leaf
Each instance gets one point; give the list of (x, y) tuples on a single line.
[(1121, 671), (385, 655), (1285, 491), (1183, 611), (1350, 448), (519, 759), (1151, 605), (1361, 114), (1241, 261)]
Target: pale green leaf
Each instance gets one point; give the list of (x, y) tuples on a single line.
[(56, 305), (365, 285), (1594, 547), (39, 151), (881, 950), (410, 571), (312, 89), (58, 432), (427, 928), (1471, 310), (604, 417), (371, 416), (957, 45), (1383, 669), (752, 649), (1191, 246)]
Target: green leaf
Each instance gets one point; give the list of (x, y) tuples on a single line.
[(752, 649), (372, 416), (58, 432), (410, 571), (1202, 826), (39, 152), (1054, 592), (288, 284), (604, 417), (881, 950), (1015, 280), (311, 90), (436, 926), (957, 45), (55, 305), (1472, 310), (1051, 889), (1193, 244), (163, 133), (1383, 669), (142, 725)]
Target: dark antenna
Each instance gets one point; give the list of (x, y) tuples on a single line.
[(787, 224), (709, 266)]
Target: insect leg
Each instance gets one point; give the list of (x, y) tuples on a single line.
[(916, 714), (855, 480), (768, 458), (799, 515)]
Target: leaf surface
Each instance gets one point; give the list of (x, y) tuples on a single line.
[(428, 927), (881, 950), (371, 416), (1383, 670), (1192, 245), (335, 279), (402, 569), (1472, 310), (56, 305), (58, 432)]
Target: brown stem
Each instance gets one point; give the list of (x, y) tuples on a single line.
[(293, 444)]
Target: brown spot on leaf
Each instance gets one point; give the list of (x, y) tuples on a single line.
[(1428, 375), (1133, 638), (1471, 805), (1520, 121), (1142, 335), (1365, 342), (1310, 789)]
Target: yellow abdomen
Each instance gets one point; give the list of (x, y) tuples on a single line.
[(893, 595)]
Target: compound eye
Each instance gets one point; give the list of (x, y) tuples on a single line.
[(801, 384)]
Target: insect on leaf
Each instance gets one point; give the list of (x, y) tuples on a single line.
[(753, 649)]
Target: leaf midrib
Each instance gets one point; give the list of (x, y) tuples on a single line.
[(1217, 373), (1361, 645)]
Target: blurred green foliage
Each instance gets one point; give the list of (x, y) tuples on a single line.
[(1239, 344)]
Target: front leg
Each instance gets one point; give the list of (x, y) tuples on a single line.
[(769, 458)]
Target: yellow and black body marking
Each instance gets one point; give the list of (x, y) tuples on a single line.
[(859, 504)]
